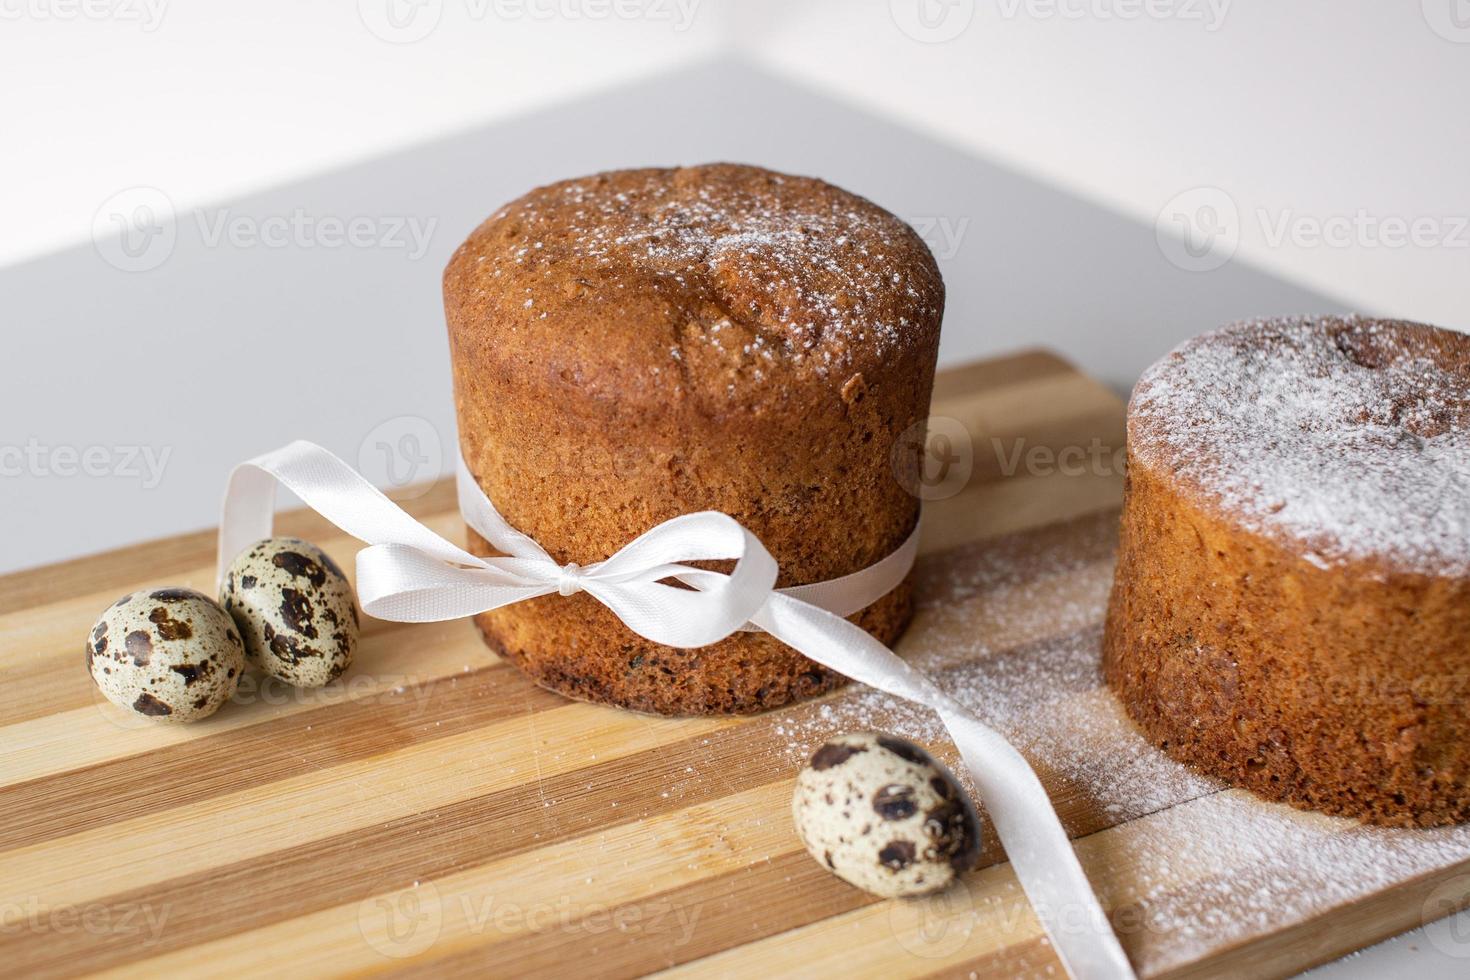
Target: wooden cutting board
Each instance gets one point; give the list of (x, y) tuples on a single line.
[(434, 813)]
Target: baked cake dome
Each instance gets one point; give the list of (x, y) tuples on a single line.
[(1291, 610), (637, 345)]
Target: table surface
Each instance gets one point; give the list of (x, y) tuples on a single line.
[(146, 384)]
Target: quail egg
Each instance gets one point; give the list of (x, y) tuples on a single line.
[(294, 608), (170, 654), (881, 814)]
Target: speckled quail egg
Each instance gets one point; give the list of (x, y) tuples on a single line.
[(881, 814), (294, 608), (171, 654)]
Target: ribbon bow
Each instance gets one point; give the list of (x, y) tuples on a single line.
[(410, 574)]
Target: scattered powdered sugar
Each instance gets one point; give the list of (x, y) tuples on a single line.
[(1349, 436), (1012, 629), (1014, 635), (813, 269), (1220, 870)]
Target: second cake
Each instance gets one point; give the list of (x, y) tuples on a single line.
[(1291, 610)]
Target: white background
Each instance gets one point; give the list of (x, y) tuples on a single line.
[(1276, 121), (1307, 114)]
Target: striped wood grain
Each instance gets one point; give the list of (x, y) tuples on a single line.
[(434, 813)]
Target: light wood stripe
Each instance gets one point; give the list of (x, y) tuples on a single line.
[(100, 732), (1015, 505), (1020, 368)]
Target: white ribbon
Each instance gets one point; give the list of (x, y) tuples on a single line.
[(410, 574)]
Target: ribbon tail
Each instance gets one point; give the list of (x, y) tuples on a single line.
[(1037, 845), (331, 488)]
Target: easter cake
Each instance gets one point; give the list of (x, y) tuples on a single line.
[(637, 345), (1291, 610)]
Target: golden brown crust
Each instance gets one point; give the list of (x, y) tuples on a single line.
[(638, 345), (576, 647), (1340, 685)]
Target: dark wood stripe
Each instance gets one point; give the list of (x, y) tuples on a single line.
[(1030, 958), (190, 772), (997, 458), (29, 692), (675, 926), (97, 573), (784, 893), (681, 925)]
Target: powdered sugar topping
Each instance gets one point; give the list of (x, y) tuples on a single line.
[(1350, 437), (759, 264)]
